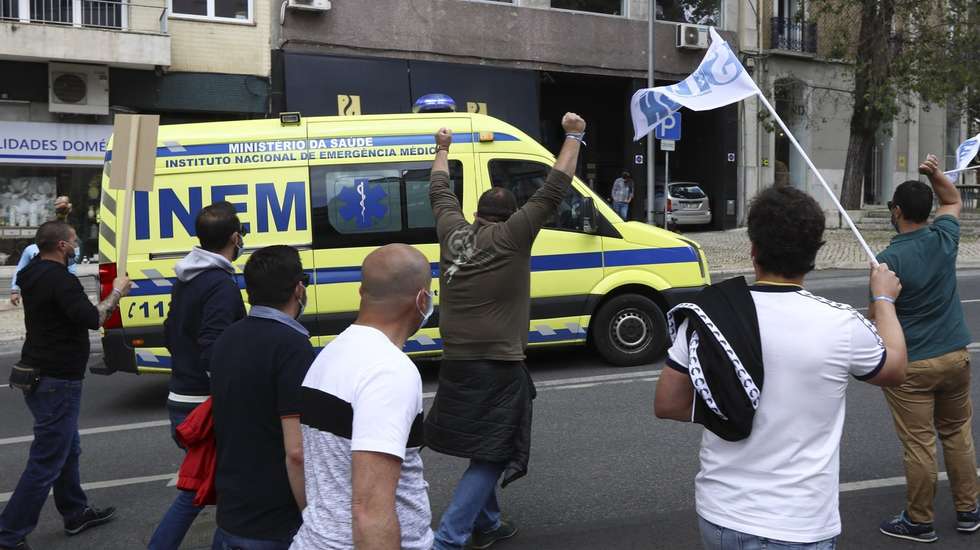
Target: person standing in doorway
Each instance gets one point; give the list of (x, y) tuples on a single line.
[(622, 195), (58, 316), (936, 396), (204, 302), (485, 281)]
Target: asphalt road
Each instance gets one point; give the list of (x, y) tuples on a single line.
[(604, 473)]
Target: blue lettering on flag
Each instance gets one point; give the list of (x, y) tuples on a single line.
[(964, 150)]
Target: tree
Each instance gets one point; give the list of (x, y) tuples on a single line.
[(904, 50)]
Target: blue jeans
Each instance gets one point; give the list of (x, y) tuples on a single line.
[(474, 506), (623, 209), (182, 513), (715, 537), (52, 462), (223, 540)]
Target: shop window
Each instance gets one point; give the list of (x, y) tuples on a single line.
[(236, 10), (375, 204), (524, 178), (610, 7), (696, 12), (27, 196)]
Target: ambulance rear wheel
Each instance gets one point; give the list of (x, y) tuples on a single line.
[(629, 330)]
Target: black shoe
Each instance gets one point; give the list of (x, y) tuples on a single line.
[(968, 522), (91, 517), (480, 541), (22, 545), (900, 527)]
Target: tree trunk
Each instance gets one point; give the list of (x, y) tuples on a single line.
[(871, 74), (859, 147)]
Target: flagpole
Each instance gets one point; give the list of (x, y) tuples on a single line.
[(840, 208), (958, 172)]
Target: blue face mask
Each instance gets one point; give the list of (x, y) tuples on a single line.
[(429, 308)]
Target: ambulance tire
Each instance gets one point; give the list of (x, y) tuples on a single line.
[(629, 330)]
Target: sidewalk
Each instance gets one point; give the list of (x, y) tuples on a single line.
[(728, 251)]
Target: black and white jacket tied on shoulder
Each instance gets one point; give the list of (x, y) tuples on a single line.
[(725, 357)]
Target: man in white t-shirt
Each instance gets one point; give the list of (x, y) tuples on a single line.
[(779, 485), (361, 415)]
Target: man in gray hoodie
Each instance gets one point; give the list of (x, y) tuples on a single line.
[(205, 300)]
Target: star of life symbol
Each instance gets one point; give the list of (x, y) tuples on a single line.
[(363, 203)]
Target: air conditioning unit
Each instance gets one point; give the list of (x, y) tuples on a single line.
[(692, 37), (309, 5), (80, 89)]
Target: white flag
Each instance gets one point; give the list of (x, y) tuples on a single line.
[(966, 151), (719, 80)]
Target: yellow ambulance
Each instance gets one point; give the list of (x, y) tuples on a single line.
[(336, 188)]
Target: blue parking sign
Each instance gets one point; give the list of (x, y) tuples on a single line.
[(670, 128)]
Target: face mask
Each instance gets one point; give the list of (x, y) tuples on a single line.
[(428, 310), (239, 247), (302, 304), (72, 254)]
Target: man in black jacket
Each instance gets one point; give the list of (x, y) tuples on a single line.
[(205, 300), (482, 410), (58, 316)]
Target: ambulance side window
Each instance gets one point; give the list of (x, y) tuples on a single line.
[(524, 178), (375, 204)]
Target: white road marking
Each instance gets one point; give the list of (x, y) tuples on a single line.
[(884, 482), (4, 497), (585, 381), (865, 308), (171, 480), (99, 430), (4, 385), (573, 383)]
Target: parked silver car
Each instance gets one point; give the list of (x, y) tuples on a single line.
[(687, 204)]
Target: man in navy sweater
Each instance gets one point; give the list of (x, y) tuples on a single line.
[(58, 316), (204, 301), (257, 369)]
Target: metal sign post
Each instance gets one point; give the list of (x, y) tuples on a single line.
[(651, 188), (668, 133), (134, 145)]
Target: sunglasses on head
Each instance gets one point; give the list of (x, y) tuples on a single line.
[(305, 279), (891, 205)]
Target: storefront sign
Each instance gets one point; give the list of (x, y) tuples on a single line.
[(41, 143)]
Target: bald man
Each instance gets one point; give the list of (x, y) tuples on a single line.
[(361, 416)]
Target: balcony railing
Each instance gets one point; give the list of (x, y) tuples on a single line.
[(120, 15), (793, 36)]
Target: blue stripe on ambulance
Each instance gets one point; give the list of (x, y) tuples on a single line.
[(551, 262), (376, 141), (420, 344)]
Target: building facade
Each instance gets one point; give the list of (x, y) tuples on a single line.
[(788, 46), (524, 61), (68, 66)]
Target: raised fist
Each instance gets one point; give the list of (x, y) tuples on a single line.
[(929, 167), (444, 137), (572, 123)]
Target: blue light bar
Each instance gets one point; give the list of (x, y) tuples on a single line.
[(434, 103)]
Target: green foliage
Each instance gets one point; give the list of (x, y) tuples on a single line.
[(924, 48)]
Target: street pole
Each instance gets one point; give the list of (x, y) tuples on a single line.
[(666, 184), (651, 21)]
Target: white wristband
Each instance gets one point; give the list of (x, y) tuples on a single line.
[(883, 298)]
